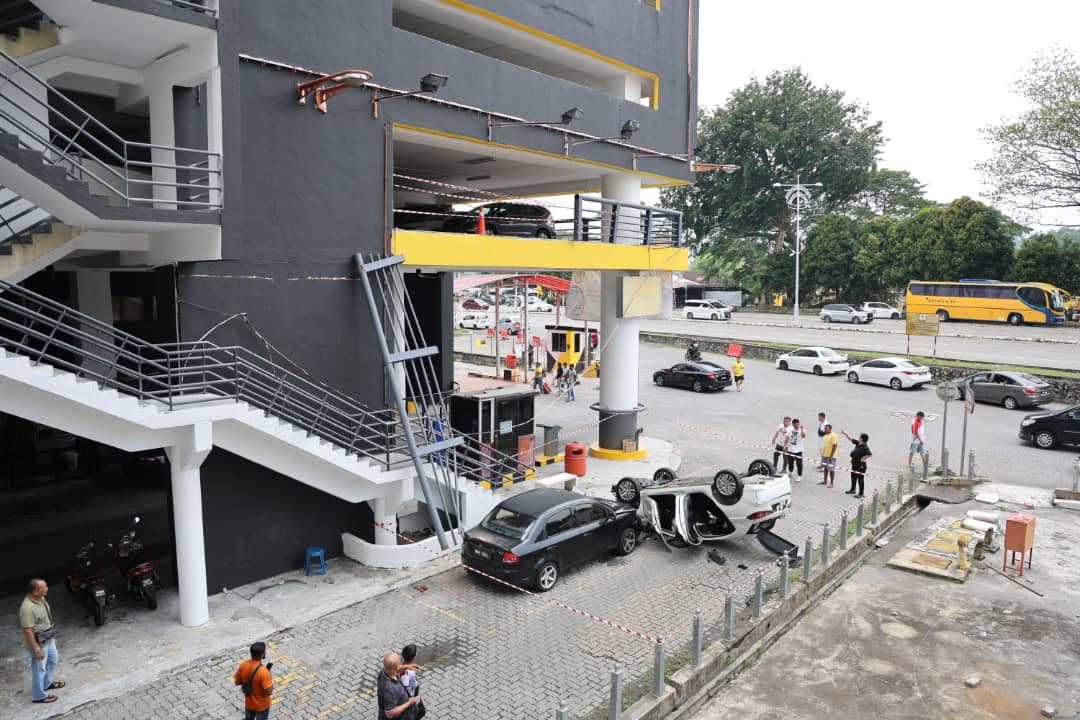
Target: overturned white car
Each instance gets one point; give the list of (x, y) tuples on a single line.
[(690, 511)]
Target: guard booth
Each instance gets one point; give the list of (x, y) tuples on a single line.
[(570, 345), (496, 416)]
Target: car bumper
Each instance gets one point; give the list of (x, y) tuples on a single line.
[(1034, 400), (834, 369), (1025, 435), (518, 574), (719, 384)]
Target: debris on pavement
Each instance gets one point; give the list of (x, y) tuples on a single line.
[(972, 681)]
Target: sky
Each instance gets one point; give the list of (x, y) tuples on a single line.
[(933, 73)]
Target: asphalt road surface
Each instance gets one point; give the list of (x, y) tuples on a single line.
[(728, 428)]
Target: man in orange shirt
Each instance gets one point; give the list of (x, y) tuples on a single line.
[(254, 676)]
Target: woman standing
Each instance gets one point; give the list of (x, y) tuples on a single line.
[(859, 455)]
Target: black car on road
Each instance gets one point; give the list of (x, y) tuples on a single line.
[(530, 539), (697, 376), (1047, 430)]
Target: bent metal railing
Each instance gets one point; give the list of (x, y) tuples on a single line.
[(598, 219), (46, 120)]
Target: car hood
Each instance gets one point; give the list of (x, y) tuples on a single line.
[(1039, 416)]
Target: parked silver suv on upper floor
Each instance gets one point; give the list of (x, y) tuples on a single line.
[(845, 313)]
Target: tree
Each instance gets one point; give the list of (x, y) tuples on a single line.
[(776, 130), (1036, 160), (892, 193), (1050, 258)]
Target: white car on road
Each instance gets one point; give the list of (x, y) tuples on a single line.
[(538, 305), (882, 310), (474, 321), (706, 310), (897, 373), (818, 360)]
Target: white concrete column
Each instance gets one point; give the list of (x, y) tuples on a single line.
[(215, 141), (93, 293), (618, 336), (162, 132), (185, 458), (387, 519)]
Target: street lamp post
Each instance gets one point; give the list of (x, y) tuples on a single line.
[(796, 196)]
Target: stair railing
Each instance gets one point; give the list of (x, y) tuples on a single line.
[(76, 136), (178, 375)]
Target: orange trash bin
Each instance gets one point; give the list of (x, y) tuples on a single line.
[(574, 462), (1019, 538), (511, 361)]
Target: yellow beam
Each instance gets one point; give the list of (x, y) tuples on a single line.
[(490, 252)]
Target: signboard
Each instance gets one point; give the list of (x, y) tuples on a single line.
[(923, 324), (969, 399), (945, 392), (536, 340), (583, 298), (506, 427), (639, 296)]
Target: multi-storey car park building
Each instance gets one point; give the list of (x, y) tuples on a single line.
[(194, 261)]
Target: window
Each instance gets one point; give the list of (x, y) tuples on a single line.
[(1032, 296), (917, 289), (585, 514), (559, 522), (507, 523)]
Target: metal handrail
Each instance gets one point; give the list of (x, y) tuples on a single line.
[(598, 219), (180, 374), (71, 148)]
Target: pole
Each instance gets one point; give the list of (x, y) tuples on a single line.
[(963, 432), (944, 426), (798, 214), (498, 296)]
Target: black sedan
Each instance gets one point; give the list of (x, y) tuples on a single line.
[(697, 376), (528, 540), (1047, 430)]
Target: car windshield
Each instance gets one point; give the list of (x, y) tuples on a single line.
[(507, 523), (1031, 379), (1056, 303)]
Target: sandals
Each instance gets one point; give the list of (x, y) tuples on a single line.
[(57, 684), (47, 699)]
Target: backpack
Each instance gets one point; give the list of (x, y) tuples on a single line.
[(248, 686)]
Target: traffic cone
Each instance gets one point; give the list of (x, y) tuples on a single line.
[(481, 227)]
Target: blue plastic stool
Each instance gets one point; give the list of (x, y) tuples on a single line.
[(315, 561)]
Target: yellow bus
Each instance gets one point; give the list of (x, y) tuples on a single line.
[(987, 300), (1071, 303)]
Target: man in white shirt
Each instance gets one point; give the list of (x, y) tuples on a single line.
[(779, 439), (796, 441), (821, 433)]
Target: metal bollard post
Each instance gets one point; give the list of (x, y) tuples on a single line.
[(784, 562), (808, 556), (945, 464), (888, 497), (658, 669), (860, 517), (971, 466), (759, 594), (900, 490), (874, 508), (926, 468), (615, 704), (562, 713), (696, 641), (825, 542), (843, 530), (911, 482), (729, 619)]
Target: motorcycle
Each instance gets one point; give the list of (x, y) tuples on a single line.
[(693, 353), (140, 575), (86, 583)]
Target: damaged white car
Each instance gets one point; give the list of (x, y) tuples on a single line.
[(690, 511)]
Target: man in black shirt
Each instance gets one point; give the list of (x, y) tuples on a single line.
[(859, 455), (394, 700)]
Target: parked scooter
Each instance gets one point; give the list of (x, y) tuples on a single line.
[(140, 575), (86, 582)]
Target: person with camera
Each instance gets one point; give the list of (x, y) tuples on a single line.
[(254, 679), (36, 623)]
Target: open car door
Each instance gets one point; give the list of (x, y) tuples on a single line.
[(684, 520), (652, 520)]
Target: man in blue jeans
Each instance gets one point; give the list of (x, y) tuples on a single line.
[(36, 623)]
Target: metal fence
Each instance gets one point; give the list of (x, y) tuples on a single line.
[(598, 219)]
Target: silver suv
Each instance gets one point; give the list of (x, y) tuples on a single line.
[(845, 313)]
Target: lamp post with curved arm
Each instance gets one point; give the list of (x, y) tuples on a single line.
[(797, 194)]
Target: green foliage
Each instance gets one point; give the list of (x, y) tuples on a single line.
[(1036, 160), (890, 193), (776, 129), (1049, 257)]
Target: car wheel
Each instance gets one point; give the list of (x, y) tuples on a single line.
[(1045, 439), (627, 491), (827, 318), (853, 377), (766, 526), (627, 542), (855, 320), (713, 316), (658, 380), (689, 316), (1015, 319), (1010, 402), (727, 487), (783, 364), (543, 233), (547, 576), (663, 475), (942, 316), (817, 370), (894, 316), (761, 466), (697, 386), (896, 384)]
